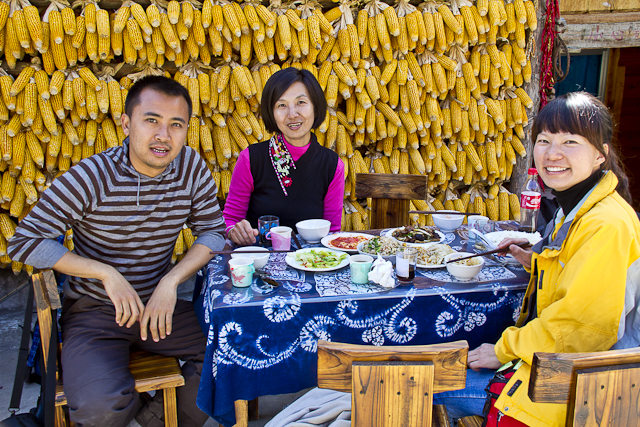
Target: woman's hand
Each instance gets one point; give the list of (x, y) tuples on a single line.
[(522, 255), (483, 357), (242, 234)]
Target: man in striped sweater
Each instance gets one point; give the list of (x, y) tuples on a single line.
[(126, 207)]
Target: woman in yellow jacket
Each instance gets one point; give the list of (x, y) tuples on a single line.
[(584, 291)]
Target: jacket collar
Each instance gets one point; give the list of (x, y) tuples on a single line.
[(561, 222)]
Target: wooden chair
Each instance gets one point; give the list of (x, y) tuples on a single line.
[(601, 389), (393, 385), (391, 194), (150, 371)]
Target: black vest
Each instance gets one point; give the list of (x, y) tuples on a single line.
[(305, 200)]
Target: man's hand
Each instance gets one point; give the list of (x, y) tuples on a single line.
[(158, 314), (125, 299), (522, 255), (242, 234), (483, 357)]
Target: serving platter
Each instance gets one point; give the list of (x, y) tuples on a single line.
[(292, 262), (389, 233), (326, 241)]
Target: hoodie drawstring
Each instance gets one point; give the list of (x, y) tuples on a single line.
[(138, 195)]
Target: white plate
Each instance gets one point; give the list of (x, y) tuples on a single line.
[(439, 233), (391, 258), (291, 261), (489, 238), (426, 265), (430, 266), (326, 241)]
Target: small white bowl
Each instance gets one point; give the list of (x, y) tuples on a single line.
[(447, 223), (313, 230), (463, 272), (259, 260)]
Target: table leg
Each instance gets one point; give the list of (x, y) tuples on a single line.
[(242, 413), (253, 410)]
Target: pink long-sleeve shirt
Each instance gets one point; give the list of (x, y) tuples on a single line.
[(237, 204)]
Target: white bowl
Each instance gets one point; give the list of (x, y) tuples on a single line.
[(259, 260), (447, 223), (463, 272), (313, 230)]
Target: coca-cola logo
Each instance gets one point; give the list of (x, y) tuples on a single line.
[(530, 201)]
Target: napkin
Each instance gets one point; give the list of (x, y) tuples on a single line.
[(382, 273)]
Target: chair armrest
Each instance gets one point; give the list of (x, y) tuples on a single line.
[(552, 377)]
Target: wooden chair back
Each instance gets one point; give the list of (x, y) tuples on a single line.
[(601, 389), (150, 371), (392, 385), (391, 194)]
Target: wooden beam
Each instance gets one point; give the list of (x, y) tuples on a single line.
[(602, 35), (601, 18), (614, 59), (597, 6), (552, 377)]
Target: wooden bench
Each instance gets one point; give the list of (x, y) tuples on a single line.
[(391, 195), (601, 389), (393, 385), (150, 371)]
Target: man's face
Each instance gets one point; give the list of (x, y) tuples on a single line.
[(157, 131)]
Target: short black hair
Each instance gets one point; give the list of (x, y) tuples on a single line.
[(278, 84), (160, 84)]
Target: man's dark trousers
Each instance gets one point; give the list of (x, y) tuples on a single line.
[(100, 389)]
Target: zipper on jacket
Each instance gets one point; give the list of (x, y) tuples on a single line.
[(540, 279)]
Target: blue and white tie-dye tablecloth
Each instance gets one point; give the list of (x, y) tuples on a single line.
[(262, 341)]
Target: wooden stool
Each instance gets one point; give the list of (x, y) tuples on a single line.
[(391, 194), (150, 371), (601, 388), (393, 385)]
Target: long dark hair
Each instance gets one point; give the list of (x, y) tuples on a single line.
[(581, 113)]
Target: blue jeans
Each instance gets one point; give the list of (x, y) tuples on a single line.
[(470, 400)]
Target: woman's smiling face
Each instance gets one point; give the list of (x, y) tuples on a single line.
[(564, 159), (294, 114)]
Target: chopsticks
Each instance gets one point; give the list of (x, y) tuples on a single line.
[(495, 251), (441, 213), (295, 239), (248, 252)]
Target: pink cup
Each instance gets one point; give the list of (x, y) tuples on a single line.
[(280, 238)]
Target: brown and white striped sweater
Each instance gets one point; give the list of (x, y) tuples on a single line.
[(121, 218)]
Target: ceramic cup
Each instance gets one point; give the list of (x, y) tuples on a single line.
[(360, 266), (266, 223), (241, 270), (476, 224), (280, 238)]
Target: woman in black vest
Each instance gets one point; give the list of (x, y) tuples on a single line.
[(291, 175)]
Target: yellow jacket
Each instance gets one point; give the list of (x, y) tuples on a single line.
[(583, 295)]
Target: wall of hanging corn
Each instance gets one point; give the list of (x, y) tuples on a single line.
[(433, 88)]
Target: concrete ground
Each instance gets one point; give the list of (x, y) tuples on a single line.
[(11, 319)]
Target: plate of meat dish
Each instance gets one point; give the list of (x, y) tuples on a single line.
[(416, 235), (347, 242)]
